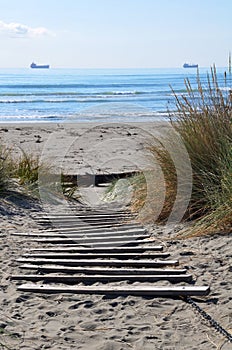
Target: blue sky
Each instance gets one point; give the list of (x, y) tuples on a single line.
[(115, 33)]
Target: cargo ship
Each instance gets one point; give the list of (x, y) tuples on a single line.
[(187, 65), (42, 66)]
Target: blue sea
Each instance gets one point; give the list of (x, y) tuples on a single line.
[(92, 95)]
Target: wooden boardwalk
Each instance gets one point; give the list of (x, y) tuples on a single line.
[(99, 252)]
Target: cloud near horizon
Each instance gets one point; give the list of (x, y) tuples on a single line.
[(18, 30)]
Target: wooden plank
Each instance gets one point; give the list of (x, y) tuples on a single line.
[(118, 290), (84, 236), (86, 216), (88, 239), (102, 278), (86, 219), (106, 231), (69, 241), (94, 228), (77, 226), (76, 249), (89, 218), (70, 224), (102, 240), (97, 262), (97, 228), (81, 234), (87, 226), (106, 228), (73, 212), (102, 270), (88, 235), (98, 255)]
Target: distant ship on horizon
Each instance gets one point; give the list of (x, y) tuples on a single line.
[(43, 66), (190, 65)]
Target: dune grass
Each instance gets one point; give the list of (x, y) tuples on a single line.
[(27, 169), (6, 167), (3, 173), (204, 122), (25, 172)]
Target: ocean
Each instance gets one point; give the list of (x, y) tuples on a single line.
[(92, 95)]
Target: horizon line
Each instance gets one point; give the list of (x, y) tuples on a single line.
[(95, 68)]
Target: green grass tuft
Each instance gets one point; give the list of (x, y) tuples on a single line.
[(26, 170)]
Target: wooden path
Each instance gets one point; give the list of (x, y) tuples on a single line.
[(99, 252)]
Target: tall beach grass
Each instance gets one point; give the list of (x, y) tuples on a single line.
[(204, 123)]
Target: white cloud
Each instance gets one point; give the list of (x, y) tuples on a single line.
[(18, 30)]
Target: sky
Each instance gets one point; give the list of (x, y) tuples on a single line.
[(115, 33)]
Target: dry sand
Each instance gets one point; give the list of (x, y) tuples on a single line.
[(36, 321), (83, 148)]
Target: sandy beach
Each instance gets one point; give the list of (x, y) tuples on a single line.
[(85, 148), (63, 321)]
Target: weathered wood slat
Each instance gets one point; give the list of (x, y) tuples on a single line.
[(106, 231), (77, 225), (83, 222), (106, 228), (73, 213), (116, 226), (76, 249), (98, 255), (102, 270), (71, 241), (61, 224), (97, 262), (102, 278), (118, 290), (76, 211), (81, 233), (87, 226), (86, 216), (89, 237), (101, 240), (92, 210), (103, 227)]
